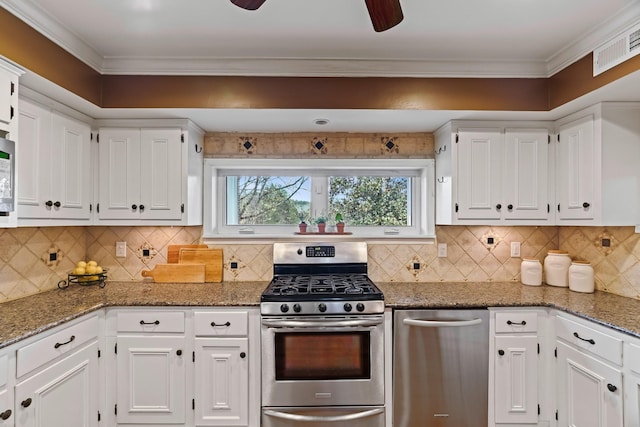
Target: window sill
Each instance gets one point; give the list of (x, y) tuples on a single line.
[(247, 239)]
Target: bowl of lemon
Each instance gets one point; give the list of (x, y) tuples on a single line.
[(85, 273)]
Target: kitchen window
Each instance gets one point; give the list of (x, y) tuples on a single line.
[(269, 197)]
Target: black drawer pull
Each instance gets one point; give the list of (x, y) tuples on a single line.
[(218, 325), (509, 322), (243, 355), (26, 403), (179, 352), (501, 352), (611, 387), (60, 344), (6, 415), (590, 341), (142, 322)]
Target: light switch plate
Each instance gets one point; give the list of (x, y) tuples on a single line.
[(121, 249), (515, 249), (442, 250)]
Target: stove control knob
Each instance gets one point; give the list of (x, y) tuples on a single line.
[(297, 308), (322, 307), (347, 307), (284, 308), (360, 306), (299, 251)]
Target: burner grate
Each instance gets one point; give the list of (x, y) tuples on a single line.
[(331, 285)]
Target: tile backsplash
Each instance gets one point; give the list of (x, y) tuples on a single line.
[(34, 260)]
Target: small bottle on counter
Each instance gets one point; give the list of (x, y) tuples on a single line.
[(581, 277), (531, 272), (556, 268)]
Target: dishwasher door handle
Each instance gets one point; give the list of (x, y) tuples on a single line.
[(440, 323), (319, 418)]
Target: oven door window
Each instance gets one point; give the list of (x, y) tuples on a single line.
[(323, 355)]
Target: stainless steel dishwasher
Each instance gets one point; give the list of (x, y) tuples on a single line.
[(440, 368)]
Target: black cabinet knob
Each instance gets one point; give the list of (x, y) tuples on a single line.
[(48, 203), (26, 403), (510, 207), (501, 352), (141, 208), (5, 415), (243, 355), (179, 352), (585, 205), (611, 387), (134, 207), (57, 204), (498, 206)]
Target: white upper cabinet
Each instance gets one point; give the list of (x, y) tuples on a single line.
[(54, 168), (487, 173), (9, 75), (149, 176), (598, 153)]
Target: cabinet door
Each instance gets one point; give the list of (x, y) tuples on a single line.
[(516, 379), (71, 176), (525, 181), (631, 385), (589, 392), (6, 407), (151, 377), (222, 382), (161, 174), (7, 88), (34, 160), (575, 170), (64, 394), (479, 174), (119, 173)]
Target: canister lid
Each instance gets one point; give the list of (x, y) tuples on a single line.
[(579, 262), (557, 252), (531, 259)]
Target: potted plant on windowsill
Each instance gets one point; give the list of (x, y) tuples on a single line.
[(339, 223), (321, 222)]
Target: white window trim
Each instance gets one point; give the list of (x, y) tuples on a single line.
[(424, 195)]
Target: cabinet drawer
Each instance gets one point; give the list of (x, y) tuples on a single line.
[(150, 321), (598, 343), (516, 322), (48, 348), (632, 358), (220, 323), (4, 369)]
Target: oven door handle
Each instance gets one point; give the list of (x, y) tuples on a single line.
[(316, 418), (321, 323), (441, 323)]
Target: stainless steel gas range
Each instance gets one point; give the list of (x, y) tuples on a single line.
[(322, 338)]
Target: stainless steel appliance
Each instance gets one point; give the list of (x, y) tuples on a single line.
[(322, 338), (7, 176), (440, 368)]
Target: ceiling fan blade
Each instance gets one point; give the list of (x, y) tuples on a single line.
[(384, 14), (248, 4)]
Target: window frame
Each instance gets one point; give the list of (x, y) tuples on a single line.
[(423, 195)]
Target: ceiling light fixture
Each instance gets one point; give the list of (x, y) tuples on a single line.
[(384, 14)]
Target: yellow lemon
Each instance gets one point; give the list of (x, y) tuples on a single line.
[(92, 263), (81, 264)]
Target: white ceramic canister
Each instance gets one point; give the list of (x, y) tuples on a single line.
[(581, 277), (531, 272), (556, 268)]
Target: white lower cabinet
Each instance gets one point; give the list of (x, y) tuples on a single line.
[(151, 375), (62, 395), (6, 407), (632, 383)]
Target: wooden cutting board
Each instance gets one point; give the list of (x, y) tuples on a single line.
[(178, 273), (173, 252), (211, 258)]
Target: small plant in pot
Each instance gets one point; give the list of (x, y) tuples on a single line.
[(339, 223), (302, 225), (322, 224)]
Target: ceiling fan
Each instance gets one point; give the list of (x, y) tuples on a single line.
[(384, 14)]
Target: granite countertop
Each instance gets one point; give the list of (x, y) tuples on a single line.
[(28, 316)]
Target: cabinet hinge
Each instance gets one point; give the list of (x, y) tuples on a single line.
[(538, 348), (90, 207), (548, 139), (193, 404), (457, 138), (91, 136), (99, 354), (13, 88), (11, 112), (182, 208), (116, 348), (98, 415), (558, 138), (548, 208), (115, 409), (98, 138), (538, 409), (182, 138), (555, 352), (193, 357), (556, 415), (98, 207), (558, 207), (456, 207)]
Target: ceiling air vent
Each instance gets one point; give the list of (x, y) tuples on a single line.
[(617, 50)]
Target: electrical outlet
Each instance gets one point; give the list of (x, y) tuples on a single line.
[(442, 250), (121, 249), (515, 249)]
